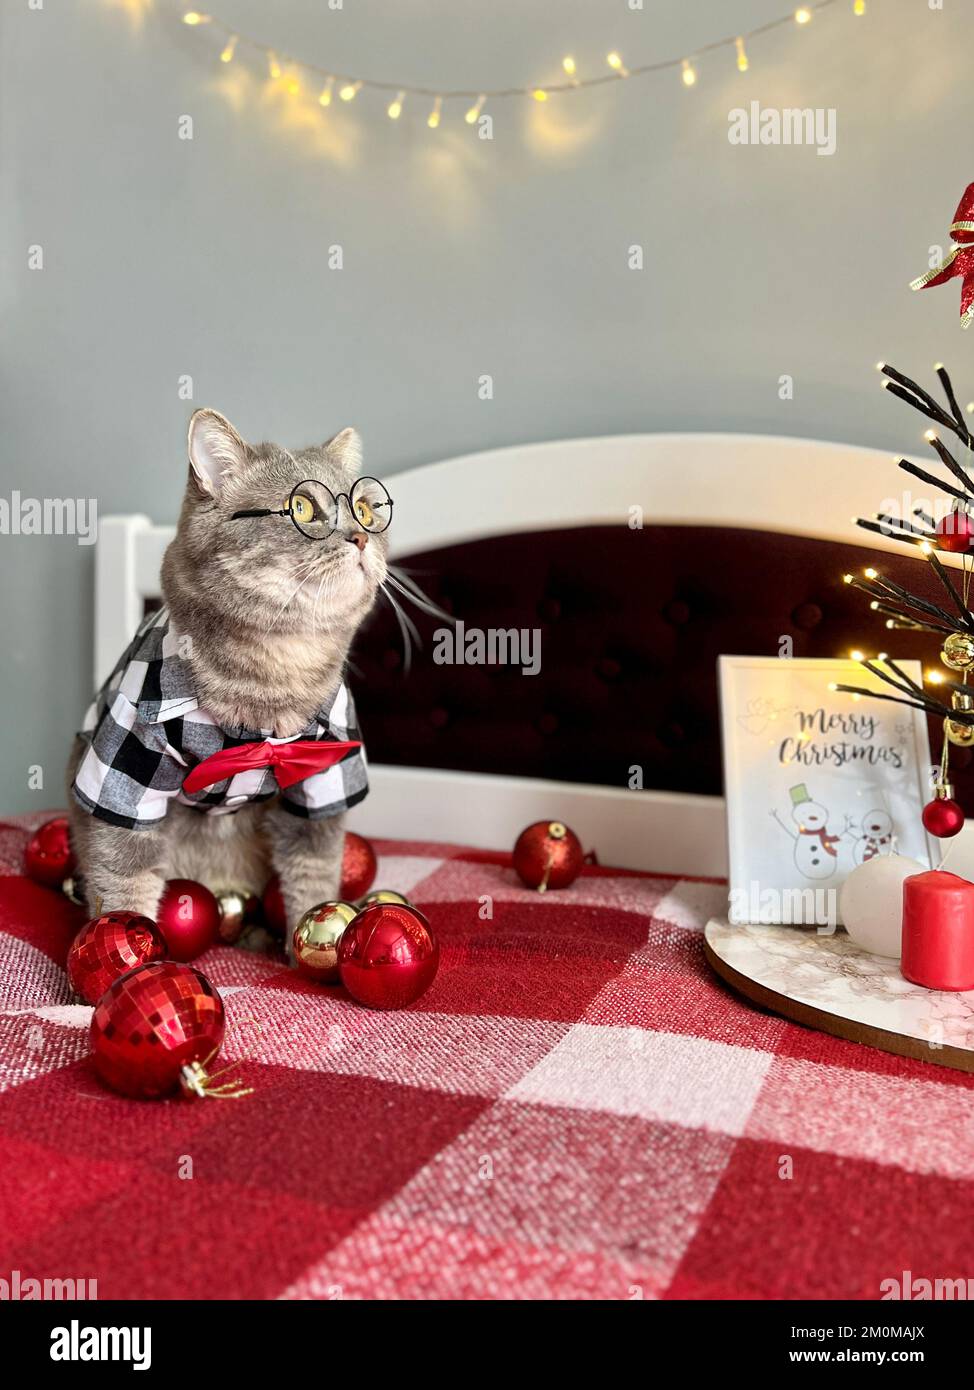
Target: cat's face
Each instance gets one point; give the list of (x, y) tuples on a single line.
[(264, 569)]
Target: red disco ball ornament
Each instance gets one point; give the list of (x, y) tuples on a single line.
[(109, 946), (275, 913), (188, 916), (943, 818), (548, 855), (387, 956), (48, 858), (156, 1028), (358, 867)]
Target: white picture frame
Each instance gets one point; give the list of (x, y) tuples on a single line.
[(842, 776)]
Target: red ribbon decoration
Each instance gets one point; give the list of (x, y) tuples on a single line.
[(292, 762), (959, 259)]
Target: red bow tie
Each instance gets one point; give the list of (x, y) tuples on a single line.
[(292, 762)]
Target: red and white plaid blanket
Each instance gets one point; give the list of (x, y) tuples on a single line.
[(576, 1109)]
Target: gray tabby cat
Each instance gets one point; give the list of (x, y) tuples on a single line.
[(269, 614)]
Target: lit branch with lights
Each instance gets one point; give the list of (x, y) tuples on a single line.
[(290, 71), (951, 618)]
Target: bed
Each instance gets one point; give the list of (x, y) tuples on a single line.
[(578, 1108)]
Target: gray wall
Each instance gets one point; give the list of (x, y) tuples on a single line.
[(462, 257)]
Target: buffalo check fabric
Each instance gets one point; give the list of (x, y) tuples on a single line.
[(146, 730), (577, 1109)]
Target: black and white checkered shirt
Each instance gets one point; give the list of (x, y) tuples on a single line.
[(146, 731)]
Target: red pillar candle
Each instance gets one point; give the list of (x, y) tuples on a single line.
[(938, 930)]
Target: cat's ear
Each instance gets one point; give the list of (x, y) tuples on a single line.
[(346, 450), (215, 449)]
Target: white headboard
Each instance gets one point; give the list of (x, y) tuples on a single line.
[(760, 482)]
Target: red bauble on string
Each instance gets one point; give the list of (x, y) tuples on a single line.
[(943, 818), (275, 913), (107, 947), (955, 531), (48, 858), (548, 855), (387, 956), (358, 867), (153, 1022), (188, 916)]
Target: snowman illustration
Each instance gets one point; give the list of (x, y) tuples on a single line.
[(816, 855), (876, 836)]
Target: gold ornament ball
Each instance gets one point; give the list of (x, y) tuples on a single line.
[(383, 895), (958, 651), (316, 939), (962, 735), (233, 905)]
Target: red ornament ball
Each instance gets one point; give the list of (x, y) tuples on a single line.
[(275, 913), (188, 916), (358, 867), (548, 855), (48, 858), (107, 947), (387, 956), (943, 818), (955, 531), (150, 1024)]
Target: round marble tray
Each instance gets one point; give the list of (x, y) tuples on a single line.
[(827, 982)]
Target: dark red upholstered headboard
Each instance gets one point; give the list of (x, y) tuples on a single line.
[(632, 623)]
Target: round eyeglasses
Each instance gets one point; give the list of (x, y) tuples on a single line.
[(315, 509)]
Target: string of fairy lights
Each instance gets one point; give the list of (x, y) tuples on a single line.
[(299, 76)]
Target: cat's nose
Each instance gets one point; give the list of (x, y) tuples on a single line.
[(358, 538)]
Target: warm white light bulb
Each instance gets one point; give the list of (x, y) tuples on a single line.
[(474, 113), (349, 91), (227, 55), (568, 63), (859, 7), (689, 73), (273, 66), (615, 62), (803, 15), (742, 63), (193, 17), (540, 94), (325, 98), (433, 119), (394, 109)]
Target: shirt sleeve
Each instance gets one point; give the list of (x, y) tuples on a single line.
[(340, 787), (128, 774), (330, 792)]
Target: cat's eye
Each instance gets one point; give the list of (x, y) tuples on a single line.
[(302, 508), (371, 504)]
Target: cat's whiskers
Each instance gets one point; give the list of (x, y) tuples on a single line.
[(277, 616), (406, 626)]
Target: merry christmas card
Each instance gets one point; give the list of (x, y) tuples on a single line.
[(816, 782)]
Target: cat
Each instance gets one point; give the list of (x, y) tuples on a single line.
[(251, 643)]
